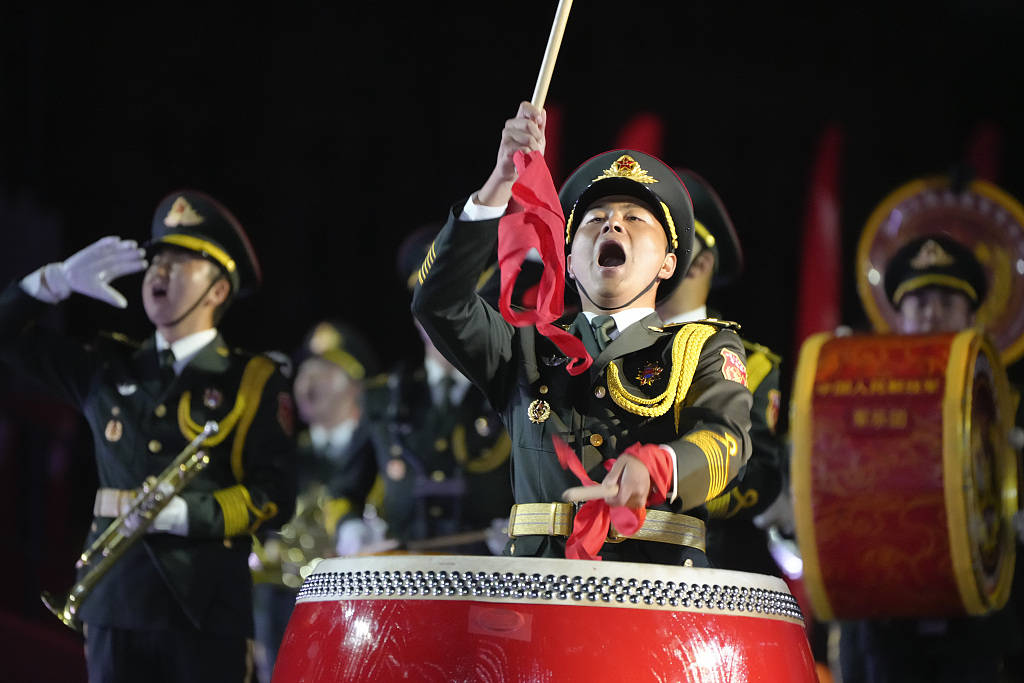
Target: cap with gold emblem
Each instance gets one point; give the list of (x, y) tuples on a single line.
[(934, 261), (713, 228), (341, 344), (639, 175), (976, 215), (196, 222)]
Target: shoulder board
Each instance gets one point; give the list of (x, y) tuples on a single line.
[(377, 381), (754, 347), (118, 339), (714, 322)]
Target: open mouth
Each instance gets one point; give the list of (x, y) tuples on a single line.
[(158, 291), (611, 254)]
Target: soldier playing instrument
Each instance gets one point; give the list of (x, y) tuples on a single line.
[(130, 526)]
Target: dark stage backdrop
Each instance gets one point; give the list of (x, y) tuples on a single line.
[(333, 131)]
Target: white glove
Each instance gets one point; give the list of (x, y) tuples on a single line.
[(88, 272), (356, 535), (497, 536), (173, 519)]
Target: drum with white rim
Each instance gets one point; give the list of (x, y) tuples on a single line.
[(455, 618)]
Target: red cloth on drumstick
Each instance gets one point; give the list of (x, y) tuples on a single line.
[(535, 221), (593, 520)]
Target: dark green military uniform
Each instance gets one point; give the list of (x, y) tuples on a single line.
[(444, 466), (734, 542), (626, 397), (193, 590)]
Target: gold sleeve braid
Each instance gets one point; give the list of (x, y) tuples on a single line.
[(686, 349), (717, 448), (235, 502)]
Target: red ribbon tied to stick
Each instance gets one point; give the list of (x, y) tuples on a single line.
[(594, 519), (535, 221)]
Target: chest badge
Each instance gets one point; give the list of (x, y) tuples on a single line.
[(114, 431), (539, 411), (212, 398), (648, 373), (395, 469), (126, 388)]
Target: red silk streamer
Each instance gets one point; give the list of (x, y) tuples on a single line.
[(535, 221), (593, 520)]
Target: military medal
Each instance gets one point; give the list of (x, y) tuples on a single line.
[(648, 373), (539, 411), (212, 398), (395, 469), (114, 430), (483, 426)]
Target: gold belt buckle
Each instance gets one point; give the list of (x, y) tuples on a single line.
[(614, 536)]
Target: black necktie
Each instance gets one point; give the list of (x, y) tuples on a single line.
[(603, 327), (166, 361), (444, 392)]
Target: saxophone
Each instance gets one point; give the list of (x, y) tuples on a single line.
[(130, 526)]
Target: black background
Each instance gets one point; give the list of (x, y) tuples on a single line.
[(333, 131)]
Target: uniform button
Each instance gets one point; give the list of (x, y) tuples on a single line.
[(441, 445), (543, 389), (437, 475), (599, 392), (115, 411), (396, 450), (155, 446), (160, 410), (435, 511), (596, 440)]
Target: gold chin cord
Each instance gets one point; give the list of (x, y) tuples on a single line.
[(130, 526)]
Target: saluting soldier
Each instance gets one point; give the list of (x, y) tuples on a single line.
[(442, 451), (177, 605), (668, 404), (336, 469), (734, 541)]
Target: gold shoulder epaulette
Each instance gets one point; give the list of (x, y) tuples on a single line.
[(721, 324), (119, 338), (753, 347)]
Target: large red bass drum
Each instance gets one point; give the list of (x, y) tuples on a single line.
[(453, 618), (904, 478)]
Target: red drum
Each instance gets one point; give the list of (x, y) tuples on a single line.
[(453, 618), (904, 479)]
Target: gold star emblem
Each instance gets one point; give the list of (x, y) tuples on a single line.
[(182, 213), (626, 167)]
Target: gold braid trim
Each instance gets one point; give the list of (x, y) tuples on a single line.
[(334, 510), (718, 507), (686, 348), (717, 448), (190, 429), (489, 457), (257, 371), (236, 504), (758, 367)]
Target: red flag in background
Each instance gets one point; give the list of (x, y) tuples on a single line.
[(553, 139), (645, 132), (534, 221), (821, 270), (984, 151)]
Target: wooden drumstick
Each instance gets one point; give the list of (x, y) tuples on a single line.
[(581, 494), (547, 66)]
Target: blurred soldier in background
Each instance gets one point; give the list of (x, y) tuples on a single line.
[(443, 452), (733, 539), (336, 470)]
